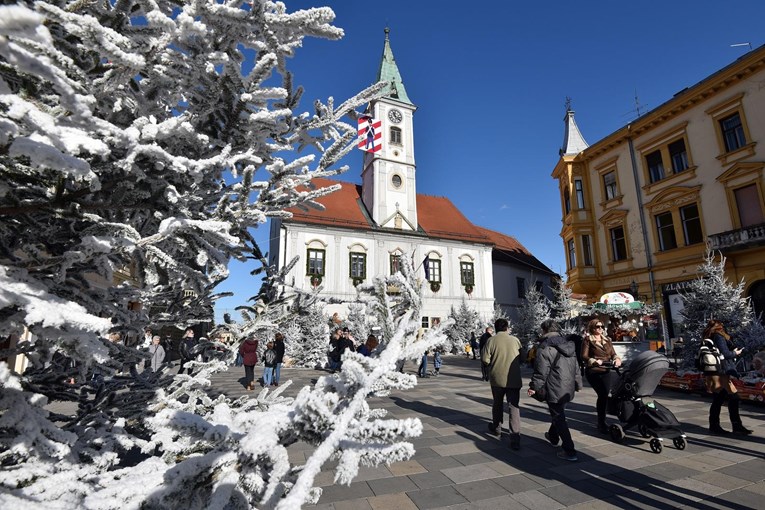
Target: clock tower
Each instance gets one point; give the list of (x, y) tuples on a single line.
[(388, 179)]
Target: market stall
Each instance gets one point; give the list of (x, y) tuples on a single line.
[(632, 326)]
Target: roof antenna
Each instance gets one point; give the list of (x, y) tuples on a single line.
[(742, 44), (638, 107)]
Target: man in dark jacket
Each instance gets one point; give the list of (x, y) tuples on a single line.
[(502, 357), (279, 348), (556, 371), (481, 346), (187, 350)]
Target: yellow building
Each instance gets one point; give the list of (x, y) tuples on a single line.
[(641, 206)]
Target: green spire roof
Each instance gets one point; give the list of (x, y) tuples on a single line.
[(389, 72)]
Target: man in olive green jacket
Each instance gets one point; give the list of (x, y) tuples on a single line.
[(503, 357)]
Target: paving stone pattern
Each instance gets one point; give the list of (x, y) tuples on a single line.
[(458, 465)]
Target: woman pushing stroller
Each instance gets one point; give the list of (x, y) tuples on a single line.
[(597, 353)]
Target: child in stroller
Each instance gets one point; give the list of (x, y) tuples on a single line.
[(625, 401)]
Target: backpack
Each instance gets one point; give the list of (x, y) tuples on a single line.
[(708, 358)]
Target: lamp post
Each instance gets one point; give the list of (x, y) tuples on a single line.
[(634, 289)]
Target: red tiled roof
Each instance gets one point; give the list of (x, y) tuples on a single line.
[(508, 248), (437, 216), (342, 208)]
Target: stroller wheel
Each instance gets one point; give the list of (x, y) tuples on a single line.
[(656, 445), (617, 433), (680, 443), (643, 430)]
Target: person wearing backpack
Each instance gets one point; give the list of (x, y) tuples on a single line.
[(269, 362), (717, 380)]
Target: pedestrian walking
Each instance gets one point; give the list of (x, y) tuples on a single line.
[(502, 357), (157, 353), (597, 354), (279, 349), (473, 344), (187, 350), (333, 354), (481, 346), (556, 378), (422, 371), (269, 363), (719, 382), (437, 361), (249, 352)]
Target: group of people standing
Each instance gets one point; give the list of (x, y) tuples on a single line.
[(273, 357)]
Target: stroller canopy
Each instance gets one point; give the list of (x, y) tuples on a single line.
[(644, 373)]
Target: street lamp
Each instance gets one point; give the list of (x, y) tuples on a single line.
[(634, 289)]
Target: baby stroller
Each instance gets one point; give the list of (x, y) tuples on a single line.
[(625, 401)]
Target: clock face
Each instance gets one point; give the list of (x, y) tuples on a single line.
[(395, 116)]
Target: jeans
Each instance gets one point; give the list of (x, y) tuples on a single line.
[(268, 376), (277, 372), (513, 396), (423, 370), (559, 427)]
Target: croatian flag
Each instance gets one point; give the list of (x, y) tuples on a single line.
[(370, 134)]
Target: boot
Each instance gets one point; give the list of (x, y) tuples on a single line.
[(735, 418), (714, 413), (515, 441)]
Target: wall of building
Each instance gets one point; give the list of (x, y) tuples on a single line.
[(378, 247)]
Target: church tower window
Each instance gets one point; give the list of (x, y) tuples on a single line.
[(395, 136)]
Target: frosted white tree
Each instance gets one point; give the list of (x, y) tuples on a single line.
[(309, 347), (566, 309), (137, 144), (359, 322), (712, 296), (465, 321), (535, 309)]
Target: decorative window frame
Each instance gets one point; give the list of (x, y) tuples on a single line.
[(357, 249), (604, 168), (661, 143), (671, 200), (725, 109), (742, 174), (467, 260), (316, 245), (613, 219)]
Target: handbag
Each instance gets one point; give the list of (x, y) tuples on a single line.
[(239, 359)]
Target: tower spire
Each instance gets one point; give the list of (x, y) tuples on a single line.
[(389, 72), (573, 141)]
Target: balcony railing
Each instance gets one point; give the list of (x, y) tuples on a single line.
[(737, 239)]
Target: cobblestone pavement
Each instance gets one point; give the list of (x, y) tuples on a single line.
[(458, 465)]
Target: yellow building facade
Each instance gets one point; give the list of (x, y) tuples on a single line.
[(642, 206)]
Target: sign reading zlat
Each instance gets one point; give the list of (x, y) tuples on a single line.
[(671, 288)]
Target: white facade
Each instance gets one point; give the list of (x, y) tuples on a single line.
[(296, 239)]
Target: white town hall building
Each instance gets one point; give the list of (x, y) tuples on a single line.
[(365, 229)]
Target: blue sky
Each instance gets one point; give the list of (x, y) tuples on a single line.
[(490, 85)]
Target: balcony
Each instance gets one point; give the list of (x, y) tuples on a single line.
[(740, 239)]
